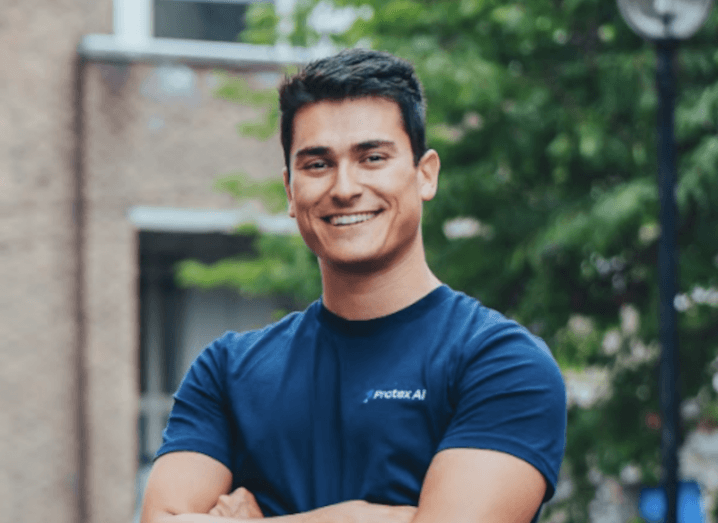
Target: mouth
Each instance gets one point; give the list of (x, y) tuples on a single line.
[(341, 220)]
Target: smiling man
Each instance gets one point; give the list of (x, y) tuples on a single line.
[(390, 399)]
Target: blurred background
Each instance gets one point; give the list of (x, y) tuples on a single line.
[(142, 215)]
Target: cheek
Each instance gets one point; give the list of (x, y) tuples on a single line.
[(299, 203), (307, 195)]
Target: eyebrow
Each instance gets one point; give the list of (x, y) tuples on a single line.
[(373, 144), (311, 151), (360, 147)]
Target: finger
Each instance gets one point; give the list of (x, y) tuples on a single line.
[(223, 508), (240, 492), (247, 511)]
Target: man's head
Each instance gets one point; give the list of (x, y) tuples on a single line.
[(352, 74)]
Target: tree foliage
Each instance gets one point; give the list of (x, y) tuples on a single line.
[(544, 115)]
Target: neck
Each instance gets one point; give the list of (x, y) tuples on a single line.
[(364, 295)]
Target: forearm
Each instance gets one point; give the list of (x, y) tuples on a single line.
[(314, 516), (193, 518), (355, 511)]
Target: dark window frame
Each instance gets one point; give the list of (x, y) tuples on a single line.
[(203, 20)]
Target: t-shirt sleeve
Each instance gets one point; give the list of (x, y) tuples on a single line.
[(199, 420), (509, 396)]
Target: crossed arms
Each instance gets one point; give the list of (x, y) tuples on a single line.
[(462, 485)]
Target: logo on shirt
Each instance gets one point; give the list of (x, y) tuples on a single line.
[(395, 394)]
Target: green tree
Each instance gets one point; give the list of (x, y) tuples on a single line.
[(543, 113)]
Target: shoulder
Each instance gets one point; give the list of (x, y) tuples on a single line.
[(233, 348), (506, 390), (484, 338), (479, 324)]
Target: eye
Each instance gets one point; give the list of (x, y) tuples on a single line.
[(315, 165), (374, 158)]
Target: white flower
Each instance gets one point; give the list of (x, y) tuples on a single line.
[(473, 120), (690, 409), (611, 342), (580, 325), (467, 227), (630, 474), (640, 353), (630, 319), (585, 387), (649, 232), (682, 302), (707, 296)]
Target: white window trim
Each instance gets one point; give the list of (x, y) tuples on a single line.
[(174, 219), (132, 21), (132, 41)]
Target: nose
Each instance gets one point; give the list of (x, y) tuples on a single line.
[(346, 187)]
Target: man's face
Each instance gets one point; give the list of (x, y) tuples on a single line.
[(354, 189)]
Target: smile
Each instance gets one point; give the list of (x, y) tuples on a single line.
[(351, 219)]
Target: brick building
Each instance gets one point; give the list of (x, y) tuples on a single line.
[(107, 161)]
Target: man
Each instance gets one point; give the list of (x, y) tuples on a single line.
[(390, 399)]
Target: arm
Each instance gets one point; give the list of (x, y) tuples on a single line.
[(181, 483), (511, 398), (473, 485), (184, 486)]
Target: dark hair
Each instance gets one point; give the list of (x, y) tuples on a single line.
[(356, 73)]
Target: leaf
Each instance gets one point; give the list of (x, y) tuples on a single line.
[(617, 213), (559, 159), (243, 187), (262, 22), (698, 178)]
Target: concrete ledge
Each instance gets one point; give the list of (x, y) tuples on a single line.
[(172, 219), (111, 48)]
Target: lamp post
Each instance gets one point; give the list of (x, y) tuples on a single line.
[(665, 22)]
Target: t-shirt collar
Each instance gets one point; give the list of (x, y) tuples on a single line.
[(365, 327)]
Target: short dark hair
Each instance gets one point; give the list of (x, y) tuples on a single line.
[(356, 73)]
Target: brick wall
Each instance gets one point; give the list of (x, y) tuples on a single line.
[(142, 147), (38, 447)]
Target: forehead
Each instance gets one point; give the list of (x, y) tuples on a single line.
[(340, 124)]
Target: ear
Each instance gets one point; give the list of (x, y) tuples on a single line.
[(428, 171), (288, 190)]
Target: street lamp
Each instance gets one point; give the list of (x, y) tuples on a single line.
[(665, 19), (665, 22)]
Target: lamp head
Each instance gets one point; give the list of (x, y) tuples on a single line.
[(665, 19)]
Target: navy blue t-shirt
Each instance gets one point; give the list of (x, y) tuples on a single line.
[(315, 409)]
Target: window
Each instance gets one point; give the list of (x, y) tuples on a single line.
[(206, 32), (212, 20), (177, 323), (138, 21)]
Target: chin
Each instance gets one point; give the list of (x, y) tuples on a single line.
[(359, 263), (344, 258)]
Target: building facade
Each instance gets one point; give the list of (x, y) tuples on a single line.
[(106, 179)]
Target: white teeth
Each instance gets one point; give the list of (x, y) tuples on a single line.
[(348, 219)]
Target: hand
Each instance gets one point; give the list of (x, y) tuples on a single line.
[(240, 504), (359, 511)]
